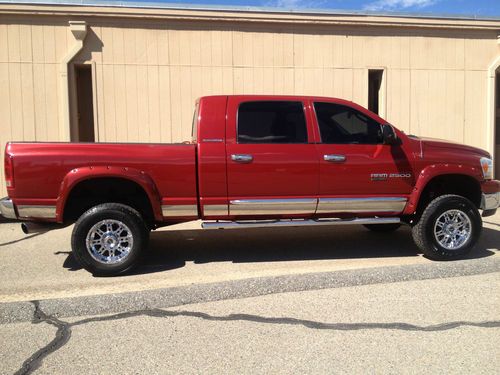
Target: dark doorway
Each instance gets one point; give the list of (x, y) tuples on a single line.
[(374, 90), (496, 161), (84, 99)]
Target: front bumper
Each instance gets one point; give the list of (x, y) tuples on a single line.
[(7, 209), (490, 201)]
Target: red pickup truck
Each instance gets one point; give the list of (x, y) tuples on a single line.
[(254, 161)]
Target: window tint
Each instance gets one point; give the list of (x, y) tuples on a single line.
[(342, 124), (271, 122)]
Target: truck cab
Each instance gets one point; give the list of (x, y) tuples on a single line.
[(300, 157)]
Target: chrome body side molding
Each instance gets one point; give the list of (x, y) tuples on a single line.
[(312, 205), (215, 210), (179, 210), (348, 205), (296, 223), (272, 206), (43, 212)]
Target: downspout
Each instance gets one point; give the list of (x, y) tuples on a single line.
[(79, 31)]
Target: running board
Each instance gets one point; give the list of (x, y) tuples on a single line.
[(296, 222)]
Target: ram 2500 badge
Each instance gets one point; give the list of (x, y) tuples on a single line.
[(254, 161)]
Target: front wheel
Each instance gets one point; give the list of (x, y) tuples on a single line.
[(448, 228), (108, 239)]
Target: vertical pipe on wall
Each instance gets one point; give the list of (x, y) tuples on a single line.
[(79, 31)]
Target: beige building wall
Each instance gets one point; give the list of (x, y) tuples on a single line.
[(148, 71)]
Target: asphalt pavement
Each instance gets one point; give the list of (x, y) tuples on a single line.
[(41, 266), (313, 300)]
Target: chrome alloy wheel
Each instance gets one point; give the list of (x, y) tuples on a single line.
[(109, 241), (452, 229)]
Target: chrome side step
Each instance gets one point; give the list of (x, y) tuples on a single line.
[(296, 222)]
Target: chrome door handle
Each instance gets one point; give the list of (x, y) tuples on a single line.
[(334, 158), (242, 158)]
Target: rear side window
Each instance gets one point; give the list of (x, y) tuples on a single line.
[(272, 122), (342, 124)]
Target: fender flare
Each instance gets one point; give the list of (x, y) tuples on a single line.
[(78, 175), (435, 170)]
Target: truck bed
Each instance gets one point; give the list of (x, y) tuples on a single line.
[(43, 170)]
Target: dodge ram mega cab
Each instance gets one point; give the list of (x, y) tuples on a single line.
[(254, 161)]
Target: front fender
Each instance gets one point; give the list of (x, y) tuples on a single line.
[(435, 170), (77, 175)]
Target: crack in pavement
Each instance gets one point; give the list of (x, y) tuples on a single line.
[(158, 313), (63, 333)]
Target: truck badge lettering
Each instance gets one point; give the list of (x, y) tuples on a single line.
[(385, 176), (400, 175), (379, 176)]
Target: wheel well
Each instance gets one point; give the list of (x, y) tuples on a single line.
[(92, 192), (462, 185)]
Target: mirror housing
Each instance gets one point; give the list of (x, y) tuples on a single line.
[(389, 135)]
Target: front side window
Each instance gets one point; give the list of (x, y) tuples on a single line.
[(272, 122), (344, 125)]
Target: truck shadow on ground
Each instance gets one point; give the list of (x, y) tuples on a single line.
[(172, 249)]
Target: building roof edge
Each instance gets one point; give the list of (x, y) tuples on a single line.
[(249, 9)]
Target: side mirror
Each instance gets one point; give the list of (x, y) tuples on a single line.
[(389, 136)]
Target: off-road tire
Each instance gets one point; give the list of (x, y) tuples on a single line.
[(382, 228), (109, 211), (423, 230)]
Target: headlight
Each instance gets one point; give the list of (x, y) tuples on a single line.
[(487, 168)]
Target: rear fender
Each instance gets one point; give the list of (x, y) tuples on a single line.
[(77, 175)]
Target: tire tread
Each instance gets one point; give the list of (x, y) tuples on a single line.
[(423, 241), (79, 254)]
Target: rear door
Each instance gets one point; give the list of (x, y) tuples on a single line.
[(272, 163)]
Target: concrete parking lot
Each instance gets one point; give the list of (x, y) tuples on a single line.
[(319, 300)]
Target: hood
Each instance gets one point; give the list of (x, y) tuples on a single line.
[(441, 144)]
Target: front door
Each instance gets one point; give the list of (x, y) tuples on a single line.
[(272, 164), (358, 173)]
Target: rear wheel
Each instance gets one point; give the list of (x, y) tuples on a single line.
[(448, 228), (108, 239), (383, 228)]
